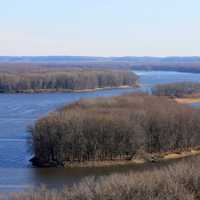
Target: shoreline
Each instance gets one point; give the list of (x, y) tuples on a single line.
[(40, 91), (140, 160)]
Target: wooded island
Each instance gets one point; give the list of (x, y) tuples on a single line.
[(52, 80), (114, 128)]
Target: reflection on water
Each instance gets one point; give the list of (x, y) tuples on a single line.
[(17, 111)]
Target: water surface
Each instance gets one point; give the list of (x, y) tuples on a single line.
[(17, 111)]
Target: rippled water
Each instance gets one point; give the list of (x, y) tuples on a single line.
[(17, 111)]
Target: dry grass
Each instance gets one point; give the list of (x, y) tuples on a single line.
[(187, 100), (180, 181), (181, 154)]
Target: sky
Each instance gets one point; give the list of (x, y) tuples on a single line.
[(100, 27)]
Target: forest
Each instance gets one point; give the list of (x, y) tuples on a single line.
[(24, 79), (178, 90), (114, 128)]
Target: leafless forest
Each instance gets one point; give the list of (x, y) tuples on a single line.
[(182, 89), (24, 79), (114, 128)]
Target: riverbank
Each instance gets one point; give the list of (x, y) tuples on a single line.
[(38, 91), (187, 100), (138, 159)]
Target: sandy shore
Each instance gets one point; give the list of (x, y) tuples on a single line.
[(187, 100), (136, 160)]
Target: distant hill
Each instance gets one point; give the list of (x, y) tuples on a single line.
[(39, 59), (48, 58), (181, 64)]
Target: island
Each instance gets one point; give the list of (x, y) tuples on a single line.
[(33, 80), (132, 128), (181, 92)]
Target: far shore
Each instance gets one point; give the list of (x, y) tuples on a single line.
[(68, 90)]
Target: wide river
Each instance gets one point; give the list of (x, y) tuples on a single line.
[(17, 111)]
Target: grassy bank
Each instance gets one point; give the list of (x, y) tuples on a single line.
[(179, 181), (138, 159), (188, 100)]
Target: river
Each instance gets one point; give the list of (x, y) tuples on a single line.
[(17, 111)]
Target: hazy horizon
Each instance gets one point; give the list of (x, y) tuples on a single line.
[(108, 56), (112, 28)]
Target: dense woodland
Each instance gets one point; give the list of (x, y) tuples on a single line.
[(182, 89), (43, 79), (114, 128)]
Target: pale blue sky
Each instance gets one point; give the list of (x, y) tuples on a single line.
[(100, 27)]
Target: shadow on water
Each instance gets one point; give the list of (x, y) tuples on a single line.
[(59, 177)]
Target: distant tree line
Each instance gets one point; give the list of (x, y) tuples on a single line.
[(179, 66), (63, 79), (167, 64), (114, 128), (181, 89)]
